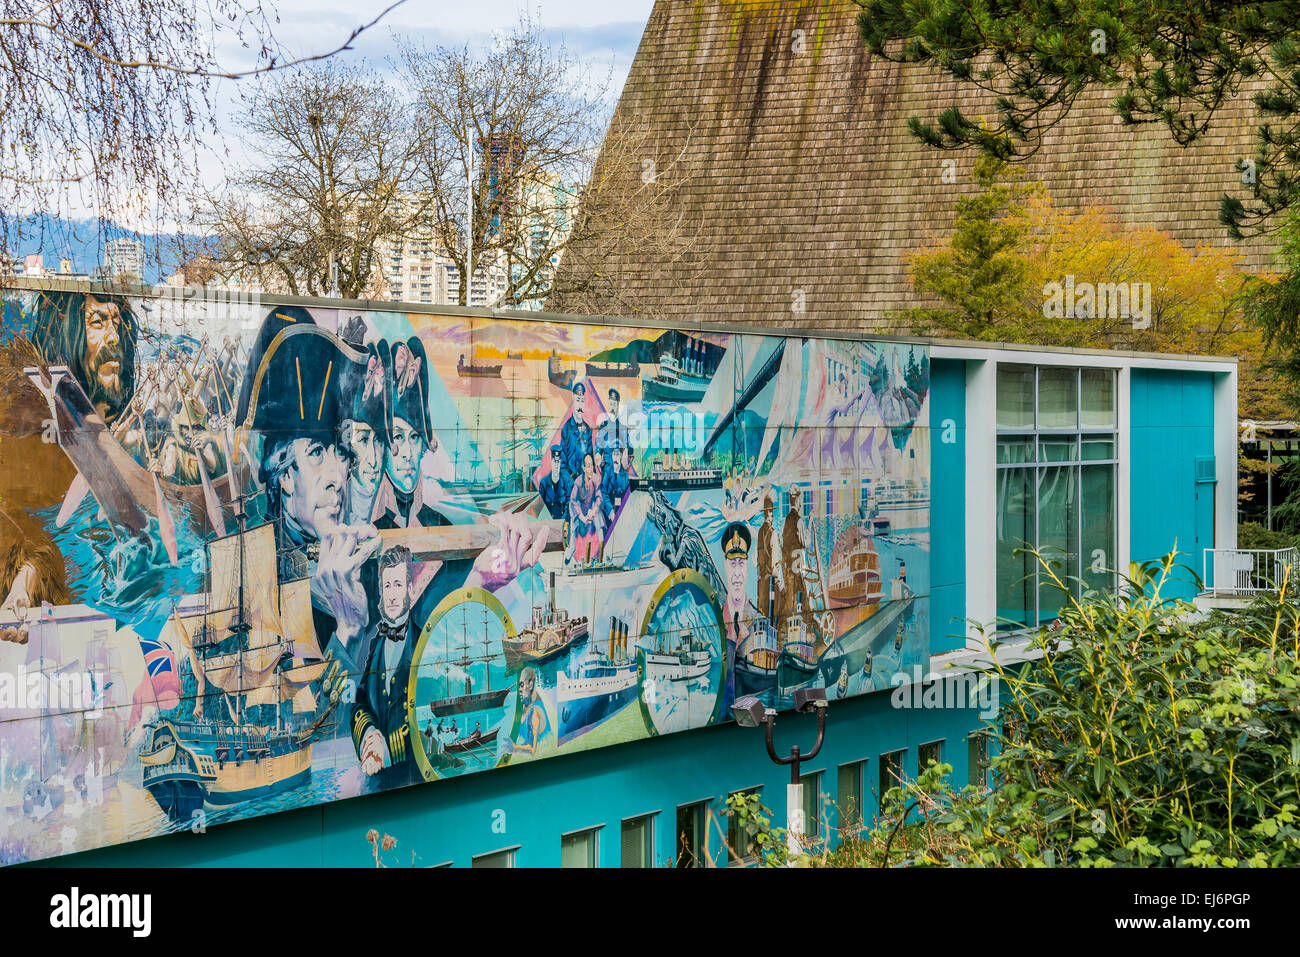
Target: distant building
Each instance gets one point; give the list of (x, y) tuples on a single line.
[(124, 257)]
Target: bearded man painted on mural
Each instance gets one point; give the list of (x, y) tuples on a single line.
[(94, 336)]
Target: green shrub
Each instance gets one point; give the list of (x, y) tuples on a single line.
[(1144, 735)]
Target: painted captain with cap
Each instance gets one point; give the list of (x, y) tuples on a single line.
[(736, 540), (555, 487), (575, 437)]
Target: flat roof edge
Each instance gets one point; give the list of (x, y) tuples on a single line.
[(21, 283)]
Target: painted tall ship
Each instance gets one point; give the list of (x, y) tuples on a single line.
[(473, 370), (603, 686), (489, 699), (253, 654), (550, 633)]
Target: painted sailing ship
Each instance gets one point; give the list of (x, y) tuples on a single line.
[(489, 699), (252, 649), (603, 686), (551, 633), (475, 371)]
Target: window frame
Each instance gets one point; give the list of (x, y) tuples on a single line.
[(1038, 466), (594, 830), (737, 860), (512, 850), (702, 808), (937, 744), (812, 830), (859, 823), (652, 821)]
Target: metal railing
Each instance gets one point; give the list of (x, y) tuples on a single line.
[(1249, 571)]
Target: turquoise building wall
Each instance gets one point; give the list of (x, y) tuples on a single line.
[(947, 504), (1171, 422), (453, 820)]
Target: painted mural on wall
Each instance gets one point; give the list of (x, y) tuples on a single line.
[(255, 557)]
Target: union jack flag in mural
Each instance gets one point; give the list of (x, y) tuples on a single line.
[(161, 685)]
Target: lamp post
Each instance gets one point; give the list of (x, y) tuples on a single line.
[(750, 712)]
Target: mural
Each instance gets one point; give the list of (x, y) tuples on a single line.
[(255, 557)]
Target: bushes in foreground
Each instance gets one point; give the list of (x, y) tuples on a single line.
[(1145, 735)]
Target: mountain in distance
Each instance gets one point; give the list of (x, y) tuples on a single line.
[(82, 241)]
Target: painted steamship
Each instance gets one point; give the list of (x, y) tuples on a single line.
[(551, 633)]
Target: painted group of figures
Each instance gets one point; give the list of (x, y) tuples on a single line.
[(589, 475), (337, 428)]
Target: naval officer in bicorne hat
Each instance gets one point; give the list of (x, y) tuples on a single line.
[(400, 500)]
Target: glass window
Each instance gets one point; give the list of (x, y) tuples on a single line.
[(1058, 538), (1058, 398), (1098, 489), (580, 848), (1055, 488), (891, 771), (1015, 450), (1098, 448), (928, 754), (977, 759), (848, 796), (812, 803), (1058, 448), (1098, 405), (1016, 534), (690, 834), (743, 841), (1015, 397), (638, 842), (503, 858)]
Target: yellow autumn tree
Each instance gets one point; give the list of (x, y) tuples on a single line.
[(1018, 268)]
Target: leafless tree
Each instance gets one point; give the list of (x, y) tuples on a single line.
[(103, 103), (529, 119), (331, 184)]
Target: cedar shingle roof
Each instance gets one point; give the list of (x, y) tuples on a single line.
[(803, 176)]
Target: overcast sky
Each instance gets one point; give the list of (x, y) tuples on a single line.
[(604, 34)]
